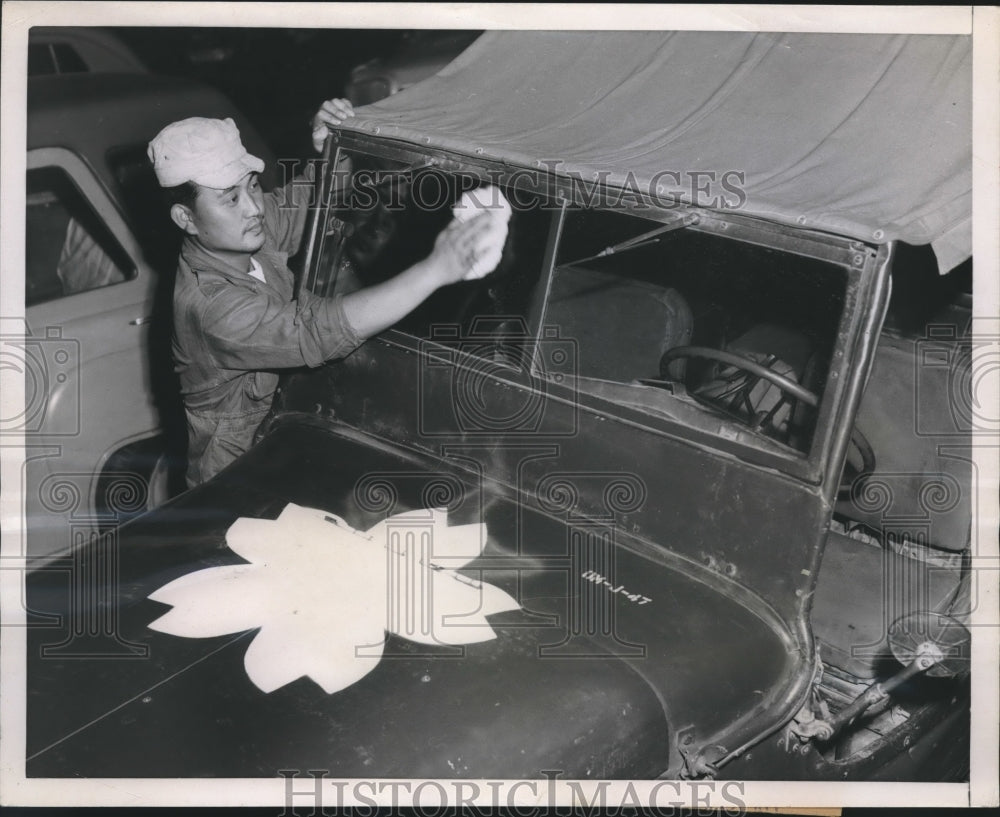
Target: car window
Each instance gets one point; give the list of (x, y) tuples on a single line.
[(54, 58), (391, 221), (41, 60), (662, 314), (68, 247), (68, 60)]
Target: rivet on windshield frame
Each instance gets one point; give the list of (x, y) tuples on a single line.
[(858, 260), (878, 234), (479, 151), (376, 131), (801, 219)]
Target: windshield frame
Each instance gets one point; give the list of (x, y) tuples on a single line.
[(866, 270)]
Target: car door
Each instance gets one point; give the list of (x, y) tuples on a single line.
[(89, 299)]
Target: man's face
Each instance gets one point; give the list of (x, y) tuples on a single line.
[(230, 220)]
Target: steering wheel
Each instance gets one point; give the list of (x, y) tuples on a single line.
[(859, 443), (746, 364), (852, 472)]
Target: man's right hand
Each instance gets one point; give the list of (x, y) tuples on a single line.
[(456, 250), (459, 245), (332, 113)]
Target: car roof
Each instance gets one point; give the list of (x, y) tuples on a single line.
[(95, 114), (865, 136)]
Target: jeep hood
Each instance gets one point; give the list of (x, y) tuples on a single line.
[(678, 671), (866, 136)]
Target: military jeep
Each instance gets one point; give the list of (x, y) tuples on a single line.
[(704, 433)]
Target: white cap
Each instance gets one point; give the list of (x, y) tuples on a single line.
[(204, 151)]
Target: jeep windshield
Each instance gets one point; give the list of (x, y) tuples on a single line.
[(743, 331), (660, 313)]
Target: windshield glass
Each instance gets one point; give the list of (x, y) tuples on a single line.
[(744, 331), (390, 219), (672, 321)]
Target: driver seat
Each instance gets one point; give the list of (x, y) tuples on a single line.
[(756, 400)]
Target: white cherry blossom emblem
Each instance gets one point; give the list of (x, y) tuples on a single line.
[(323, 594)]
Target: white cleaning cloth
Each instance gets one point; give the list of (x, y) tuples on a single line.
[(491, 200)]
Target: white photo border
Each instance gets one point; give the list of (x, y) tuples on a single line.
[(983, 24)]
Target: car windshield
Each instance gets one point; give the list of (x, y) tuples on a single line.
[(662, 317), (743, 330)]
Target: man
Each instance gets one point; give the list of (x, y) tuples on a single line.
[(235, 323)]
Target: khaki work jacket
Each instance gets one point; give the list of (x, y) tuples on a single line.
[(233, 334)]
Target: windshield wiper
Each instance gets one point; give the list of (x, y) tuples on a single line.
[(641, 240)]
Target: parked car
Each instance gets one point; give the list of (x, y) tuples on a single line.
[(421, 53), (77, 49), (102, 413), (678, 490)]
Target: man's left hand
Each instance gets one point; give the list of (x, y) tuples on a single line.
[(332, 113)]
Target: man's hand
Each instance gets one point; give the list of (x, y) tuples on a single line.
[(459, 245), (333, 112), (456, 250)]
